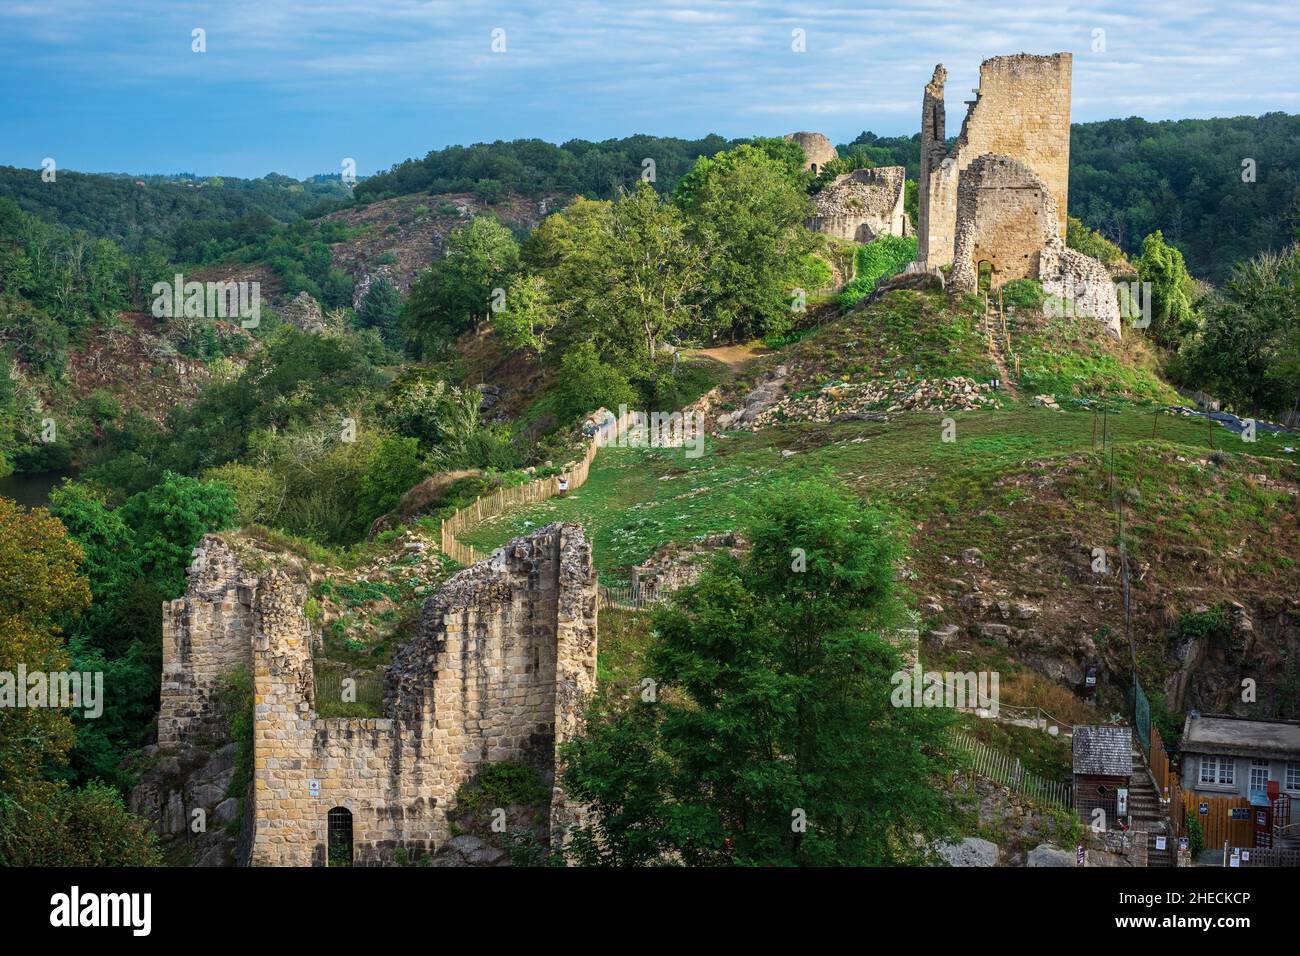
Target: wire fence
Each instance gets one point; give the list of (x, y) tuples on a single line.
[(1006, 770), (631, 599)]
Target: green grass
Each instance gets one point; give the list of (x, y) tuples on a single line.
[(638, 499)]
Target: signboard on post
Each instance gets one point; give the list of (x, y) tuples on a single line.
[(1079, 856)]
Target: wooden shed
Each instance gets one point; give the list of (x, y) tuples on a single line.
[(1103, 766)]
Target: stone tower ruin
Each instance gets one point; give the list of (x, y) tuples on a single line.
[(1022, 111), (996, 202), (499, 667)]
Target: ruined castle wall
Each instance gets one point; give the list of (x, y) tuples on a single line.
[(1005, 216), (1082, 284), (499, 668), (1021, 110), (206, 633), (863, 205)]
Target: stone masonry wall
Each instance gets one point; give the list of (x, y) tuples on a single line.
[(206, 633), (1005, 217), (863, 205), (1021, 110), (500, 666)]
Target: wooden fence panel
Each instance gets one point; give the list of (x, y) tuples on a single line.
[(1218, 824), (533, 492)]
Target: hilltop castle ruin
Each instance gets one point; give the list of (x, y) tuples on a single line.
[(995, 204), (499, 667)]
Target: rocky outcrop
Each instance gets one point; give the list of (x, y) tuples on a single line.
[(304, 313)]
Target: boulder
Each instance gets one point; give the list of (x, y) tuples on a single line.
[(971, 851), (1047, 855)]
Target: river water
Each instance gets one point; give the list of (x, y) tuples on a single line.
[(32, 490)]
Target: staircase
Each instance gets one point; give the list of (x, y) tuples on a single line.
[(1147, 813)]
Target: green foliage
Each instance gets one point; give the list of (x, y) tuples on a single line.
[(170, 518), (585, 383), (83, 827), (1130, 177), (877, 260), (1171, 290), (772, 680), (1248, 350), (1195, 833), (456, 292), (394, 466), (527, 316), (747, 209), (381, 309), (1023, 294), (500, 784), (1091, 243), (235, 701), (537, 168)]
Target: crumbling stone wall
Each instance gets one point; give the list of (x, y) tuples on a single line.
[(863, 204), (1021, 110), (1005, 216), (206, 633), (817, 150), (1081, 284), (499, 668)]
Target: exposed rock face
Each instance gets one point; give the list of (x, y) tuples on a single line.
[(817, 150), (501, 664), (971, 851), (304, 312), (863, 205), (1046, 855), (769, 389)]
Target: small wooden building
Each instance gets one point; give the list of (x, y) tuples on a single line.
[(1103, 766)]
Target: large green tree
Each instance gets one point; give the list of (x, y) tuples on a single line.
[(748, 210), (771, 738), (458, 291)]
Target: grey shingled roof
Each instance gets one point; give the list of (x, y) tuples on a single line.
[(1103, 749), (1216, 734)]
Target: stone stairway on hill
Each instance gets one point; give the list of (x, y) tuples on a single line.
[(1147, 814)]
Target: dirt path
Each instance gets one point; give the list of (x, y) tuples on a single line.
[(733, 355)]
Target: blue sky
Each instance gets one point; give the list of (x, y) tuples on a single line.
[(294, 86)]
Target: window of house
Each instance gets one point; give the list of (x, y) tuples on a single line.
[(1209, 769), (1216, 770), (1259, 775), (1293, 775)]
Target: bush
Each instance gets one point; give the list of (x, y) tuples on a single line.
[(1025, 294), (1195, 834), (877, 260), (83, 827), (585, 383)]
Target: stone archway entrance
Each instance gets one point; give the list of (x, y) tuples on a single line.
[(339, 837)]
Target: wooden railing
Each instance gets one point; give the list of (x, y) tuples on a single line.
[(532, 492)]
